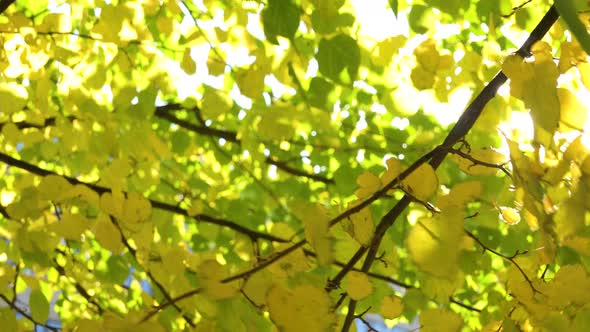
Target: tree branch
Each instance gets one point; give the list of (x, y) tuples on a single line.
[(26, 315), (155, 204), (4, 5), (461, 128)]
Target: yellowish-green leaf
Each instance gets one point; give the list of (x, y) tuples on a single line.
[(440, 320), (13, 97), (136, 209), (214, 104), (188, 64), (251, 82), (39, 305), (358, 285), (316, 225), (54, 187), (427, 55), (8, 319), (71, 226), (107, 234), (210, 274)]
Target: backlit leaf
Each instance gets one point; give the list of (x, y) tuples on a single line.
[(39, 305), (358, 285)]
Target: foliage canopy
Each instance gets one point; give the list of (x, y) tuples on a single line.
[(294, 165)]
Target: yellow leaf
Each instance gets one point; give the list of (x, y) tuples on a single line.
[(317, 232), (112, 203), (509, 215), (434, 243), (394, 167), (360, 225), (188, 64), (107, 234), (358, 285), (305, 308), (13, 97), (573, 112), (385, 49), (422, 183), (440, 320), (391, 307), (516, 69), (368, 183), (461, 194), (584, 69), (214, 104)]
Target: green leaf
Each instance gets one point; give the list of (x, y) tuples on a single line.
[(39, 306), (280, 18), (568, 10), (393, 4), (337, 54)]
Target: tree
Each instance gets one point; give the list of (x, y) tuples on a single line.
[(294, 165)]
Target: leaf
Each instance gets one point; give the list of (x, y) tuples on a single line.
[(316, 225), (251, 81), (188, 64), (280, 18), (440, 320), (421, 183), (568, 10), (393, 4), (39, 306), (108, 235), (433, 243), (214, 104), (509, 215), (337, 54), (391, 307), (358, 285), (305, 308), (13, 97), (210, 274), (360, 225), (474, 167), (573, 112), (54, 187), (8, 319), (385, 50), (368, 183)]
